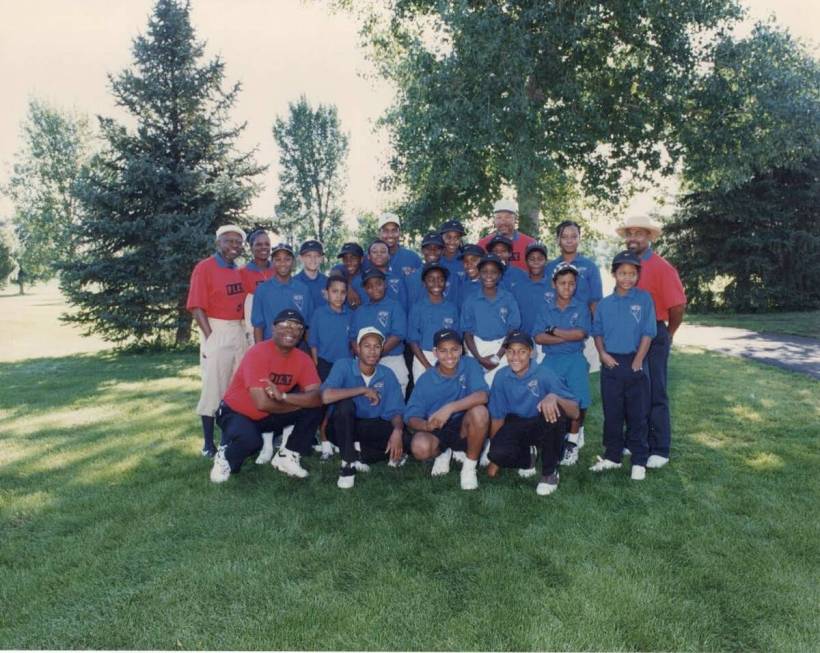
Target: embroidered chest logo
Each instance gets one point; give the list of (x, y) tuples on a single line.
[(635, 309), (383, 317), (378, 385), (447, 322), (503, 312), (234, 288), (549, 296), (532, 386), (394, 285), (573, 320), (462, 379), (281, 379), (299, 300), (408, 270)]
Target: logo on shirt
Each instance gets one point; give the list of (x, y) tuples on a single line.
[(447, 322), (408, 270), (636, 311), (573, 320), (503, 312), (234, 288), (281, 379), (378, 385), (299, 300), (462, 379), (532, 386), (383, 317), (394, 285), (549, 296)]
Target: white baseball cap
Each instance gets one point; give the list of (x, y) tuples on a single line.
[(230, 228), (506, 205), (386, 218), (366, 331)]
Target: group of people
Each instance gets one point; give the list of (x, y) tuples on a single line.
[(470, 352)]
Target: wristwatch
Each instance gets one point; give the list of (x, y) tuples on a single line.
[(550, 330), (495, 359), (284, 396)]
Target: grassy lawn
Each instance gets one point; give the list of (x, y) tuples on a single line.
[(113, 537), (806, 323)]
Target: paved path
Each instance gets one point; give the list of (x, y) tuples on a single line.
[(790, 352)]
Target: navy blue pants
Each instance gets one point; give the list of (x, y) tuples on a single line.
[(625, 398), (510, 447), (242, 436), (660, 426), (344, 429)]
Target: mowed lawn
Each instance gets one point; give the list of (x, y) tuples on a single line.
[(804, 323), (113, 537)]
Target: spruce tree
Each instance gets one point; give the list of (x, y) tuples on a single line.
[(154, 197)]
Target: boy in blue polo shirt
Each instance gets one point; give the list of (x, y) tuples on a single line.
[(428, 315), (367, 406), (529, 407), (447, 410), (387, 316), (488, 316), (623, 329), (312, 255), (535, 291), (278, 293), (561, 329)]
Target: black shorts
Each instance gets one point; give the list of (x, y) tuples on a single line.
[(449, 435)]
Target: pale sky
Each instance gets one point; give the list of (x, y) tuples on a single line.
[(61, 51)]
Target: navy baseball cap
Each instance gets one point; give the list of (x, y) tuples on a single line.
[(520, 337), (442, 335), (564, 267), (537, 246), (432, 239), (499, 239), (428, 267), (491, 258), (289, 314), (625, 257), (372, 273), (472, 250), (281, 247), (452, 225), (311, 246), (351, 248)]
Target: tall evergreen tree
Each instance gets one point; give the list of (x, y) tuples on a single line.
[(153, 198)]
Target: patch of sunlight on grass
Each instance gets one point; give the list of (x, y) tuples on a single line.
[(110, 471), (709, 440), (168, 384), (30, 503), (746, 412), (768, 404), (766, 461)]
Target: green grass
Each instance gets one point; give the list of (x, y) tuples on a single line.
[(805, 323), (113, 537)]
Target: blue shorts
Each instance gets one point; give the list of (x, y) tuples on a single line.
[(574, 370)]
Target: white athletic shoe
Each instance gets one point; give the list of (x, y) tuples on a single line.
[(347, 478), (221, 470), (529, 471), (638, 472), (326, 449), (485, 459), (287, 462), (603, 464), (547, 485), (656, 462), (266, 454), (359, 466), (626, 452), (570, 456), (469, 478), (398, 463), (441, 465), (459, 457)]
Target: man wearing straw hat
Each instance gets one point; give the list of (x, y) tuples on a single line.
[(662, 281)]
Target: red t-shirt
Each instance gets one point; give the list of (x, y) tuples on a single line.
[(264, 362), (252, 276), (662, 281), (520, 242), (217, 290)]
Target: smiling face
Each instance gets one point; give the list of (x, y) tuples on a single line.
[(312, 261), (283, 264), (230, 245), (448, 354), (434, 282), (569, 239), (379, 255), (261, 249), (489, 274), (518, 357), (505, 222), (352, 263), (452, 241), (390, 234), (370, 349), (431, 253), (287, 334), (637, 240), (626, 276), (501, 251), (471, 265)]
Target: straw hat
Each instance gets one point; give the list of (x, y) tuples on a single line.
[(639, 222)]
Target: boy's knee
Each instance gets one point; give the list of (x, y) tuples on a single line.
[(422, 448), (478, 417)]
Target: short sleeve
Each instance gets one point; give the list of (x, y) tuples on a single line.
[(468, 316), (584, 320), (671, 288), (596, 292), (475, 378), (540, 321), (398, 322), (415, 405), (313, 330), (650, 324), (308, 374), (498, 399), (597, 324), (257, 310), (414, 325), (392, 402), (255, 370), (515, 314), (552, 383), (198, 290), (337, 374)]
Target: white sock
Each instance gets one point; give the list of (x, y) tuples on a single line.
[(572, 437), (267, 440), (469, 464)]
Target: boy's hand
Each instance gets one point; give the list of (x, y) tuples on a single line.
[(607, 360), (637, 364), (372, 396), (394, 446), (549, 408), (440, 417)]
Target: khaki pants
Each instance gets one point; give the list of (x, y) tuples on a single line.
[(248, 325), (219, 356)]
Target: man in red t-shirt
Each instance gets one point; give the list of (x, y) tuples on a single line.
[(505, 214), (261, 398), (216, 300), (662, 281)]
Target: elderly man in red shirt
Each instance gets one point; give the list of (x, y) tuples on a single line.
[(662, 281), (505, 215)]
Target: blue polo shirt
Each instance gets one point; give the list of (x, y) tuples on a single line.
[(405, 261), (520, 395), (394, 288), (330, 332), (574, 316), (588, 282), (272, 297), (468, 288), (490, 319), (316, 286), (426, 318), (531, 297), (416, 290), (512, 277), (355, 282), (345, 373), (387, 316), (434, 390), (624, 320), (454, 265)]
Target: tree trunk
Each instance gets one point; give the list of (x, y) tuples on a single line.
[(183, 334), (22, 290), (529, 212)]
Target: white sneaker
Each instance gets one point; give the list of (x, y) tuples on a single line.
[(547, 485), (626, 452), (529, 471), (326, 449), (638, 472), (485, 459), (266, 454), (603, 464), (359, 466), (469, 478), (398, 463), (570, 456), (460, 457), (656, 462), (287, 462), (221, 470), (441, 465), (346, 480)]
